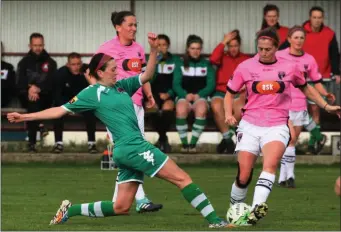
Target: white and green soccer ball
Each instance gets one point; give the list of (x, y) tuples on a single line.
[(235, 212)]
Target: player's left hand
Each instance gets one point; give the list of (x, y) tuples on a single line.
[(150, 102), (333, 110), (153, 41), (331, 98), (15, 117)]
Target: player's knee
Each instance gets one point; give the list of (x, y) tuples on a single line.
[(168, 105), (121, 208), (243, 179), (181, 109), (201, 109), (216, 105)]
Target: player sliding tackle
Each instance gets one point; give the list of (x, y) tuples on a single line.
[(111, 102)]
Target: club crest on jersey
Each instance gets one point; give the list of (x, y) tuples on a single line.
[(139, 54), (73, 100), (120, 90), (45, 67), (268, 87), (239, 136), (134, 65), (306, 67), (203, 71), (170, 68), (281, 75)]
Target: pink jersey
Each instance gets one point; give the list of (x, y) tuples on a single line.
[(268, 90), (308, 66), (129, 59)]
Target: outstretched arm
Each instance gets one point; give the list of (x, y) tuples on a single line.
[(151, 64), (51, 113)]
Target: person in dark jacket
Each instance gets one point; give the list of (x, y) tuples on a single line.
[(7, 82), (163, 93), (35, 82), (69, 81)]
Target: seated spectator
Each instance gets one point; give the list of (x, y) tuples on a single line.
[(227, 62), (271, 19), (70, 80), (194, 81), (35, 83), (7, 81), (163, 92)]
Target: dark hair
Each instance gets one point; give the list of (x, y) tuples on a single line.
[(73, 55), (98, 62), (238, 38), (164, 37), (191, 39), (269, 33), (36, 35), (266, 9), (117, 18), (316, 8), (294, 29)]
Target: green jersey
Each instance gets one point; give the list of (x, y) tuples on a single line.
[(113, 106)]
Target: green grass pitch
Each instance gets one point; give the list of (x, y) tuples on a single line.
[(31, 194)]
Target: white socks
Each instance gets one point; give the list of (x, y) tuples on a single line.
[(237, 194), (290, 154), (263, 188)]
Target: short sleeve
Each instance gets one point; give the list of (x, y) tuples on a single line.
[(131, 84), (298, 80), (314, 74), (84, 101), (236, 82)]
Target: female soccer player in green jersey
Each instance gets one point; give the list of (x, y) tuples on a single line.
[(110, 100)]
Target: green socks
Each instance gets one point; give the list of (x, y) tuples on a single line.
[(96, 209), (198, 200), (182, 127), (198, 127)]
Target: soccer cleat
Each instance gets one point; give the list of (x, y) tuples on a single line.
[(192, 149), (61, 215), (145, 206), (257, 213), (320, 144), (291, 183), (184, 148), (222, 146), (282, 184), (57, 148), (221, 224), (92, 149)]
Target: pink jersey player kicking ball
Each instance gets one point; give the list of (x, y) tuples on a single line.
[(264, 125)]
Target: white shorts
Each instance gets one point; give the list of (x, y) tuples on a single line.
[(252, 138), (299, 118), (140, 117)]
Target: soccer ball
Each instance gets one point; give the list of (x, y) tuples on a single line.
[(236, 211)]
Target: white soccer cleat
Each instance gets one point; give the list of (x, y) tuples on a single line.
[(61, 215)]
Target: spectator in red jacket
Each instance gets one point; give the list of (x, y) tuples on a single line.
[(227, 62), (270, 19), (321, 43)]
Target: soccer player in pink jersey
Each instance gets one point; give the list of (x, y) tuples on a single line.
[(298, 112), (263, 127), (130, 59)]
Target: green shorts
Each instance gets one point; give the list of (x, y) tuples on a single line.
[(137, 158), (328, 85)]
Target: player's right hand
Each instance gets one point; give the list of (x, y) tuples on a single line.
[(153, 41), (230, 120), (14, 117)]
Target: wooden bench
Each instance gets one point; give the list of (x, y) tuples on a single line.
[(75, 122)]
